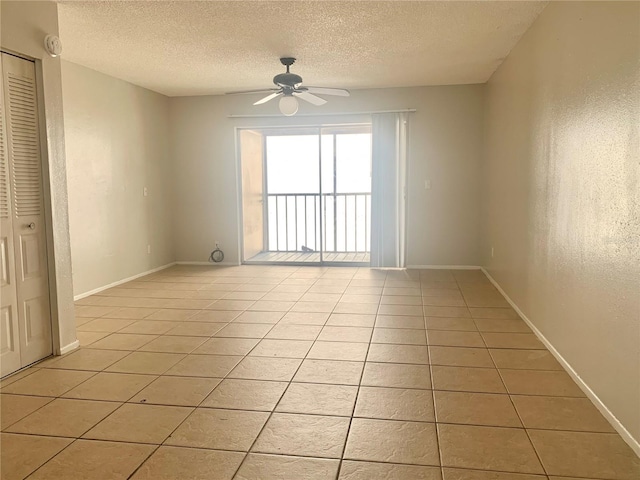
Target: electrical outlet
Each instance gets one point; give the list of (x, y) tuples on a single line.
[(491, 252), (148, 248)]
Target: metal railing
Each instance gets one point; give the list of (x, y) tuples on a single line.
[(305, 222)]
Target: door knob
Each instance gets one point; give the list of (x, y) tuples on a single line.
[(31, 226)]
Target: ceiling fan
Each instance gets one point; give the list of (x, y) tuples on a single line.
[(290, 89)]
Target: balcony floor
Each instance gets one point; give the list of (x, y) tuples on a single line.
[(309, 257)]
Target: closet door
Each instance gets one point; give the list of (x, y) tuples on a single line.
[(27, 208), (9, 330)]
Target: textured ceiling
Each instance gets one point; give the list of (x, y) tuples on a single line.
[(210, 47)]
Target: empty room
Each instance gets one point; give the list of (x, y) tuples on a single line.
[(320, 240)]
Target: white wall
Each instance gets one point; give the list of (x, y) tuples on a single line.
[(562, 191), (117, 142), (23, 28), (445, 146)]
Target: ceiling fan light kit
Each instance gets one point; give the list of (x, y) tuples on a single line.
[(290, 89)]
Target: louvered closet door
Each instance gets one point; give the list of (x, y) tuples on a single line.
[(26, 209)]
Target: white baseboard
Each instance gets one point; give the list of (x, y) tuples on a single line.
[(120, 282), (211, 264), (70, 347), (599, 404), (444, 267)]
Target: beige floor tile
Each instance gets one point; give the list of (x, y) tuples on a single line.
[(319, 399), (351, 351), (149, 327), (396, 375), (494, 313), (592, 455), (236, 295), (512, 340), (353, 470), (219, 429), (318, 307), (524, 359), (379, 352), (487, 448), (266, 368), (402, 300), (345, 334), (15, 407), (173, 344), (260, 466), (132, 313), (510, 325), (259, 317), (87, 359), (48, 382), (329, 371), (360, 299), (410, 291), (304, 318), (476, 409), (465, 379), (294, 332), (244, 330), (88, 459), (109, 325), (92, 311), (404, 336), (454, 338), (216, 366), (357, 308), (123, 341), (460, 357), (115, 387), (400, 321), (215, 316), (282, 348), (139, 423), (351, 320), (444, 301), (182, 391), (246, 395), (227, 346), (14, 377), (22, 454), (196, 329), (463, 474), (539, 382), (449, 312), (87, 338), (149, 363), (410, 310), (173, 314), (64, 418), (392, 441), (271, 306), (174, 463), (451, 324), (395, 404), (282, 297), (306, 435), (238, 305), (321, 297), (559, 413)]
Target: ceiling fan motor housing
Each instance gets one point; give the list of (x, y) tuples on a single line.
[(290, 80)]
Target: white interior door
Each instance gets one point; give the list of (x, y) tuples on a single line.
[(29, 273)]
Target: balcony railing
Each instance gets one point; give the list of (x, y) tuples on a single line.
[(305, 222)]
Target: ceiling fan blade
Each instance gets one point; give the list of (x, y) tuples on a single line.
[(268, 97), (341, 92), (244, 92), (310, 98)]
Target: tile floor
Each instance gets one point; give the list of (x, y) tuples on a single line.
[(304, 373)]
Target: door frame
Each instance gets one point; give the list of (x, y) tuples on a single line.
[(56, 348), (239, 213)]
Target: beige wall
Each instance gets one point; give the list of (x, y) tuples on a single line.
[(562, 191), (445, 141), (23, 28), (117, 142)]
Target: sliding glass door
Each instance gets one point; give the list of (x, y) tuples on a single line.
[(315, 195)]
